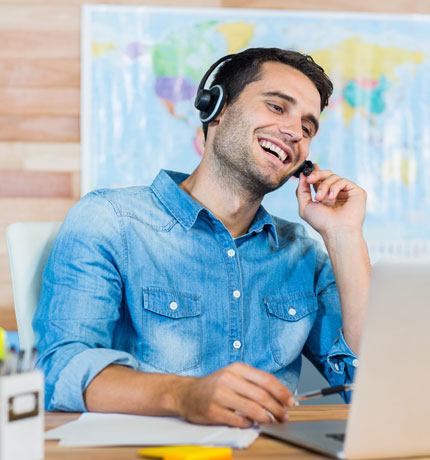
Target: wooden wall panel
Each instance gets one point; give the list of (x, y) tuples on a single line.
[(39, 103), (190, 3), (382, 6), (371, 6), (38, 184), (40, 156), (7, 312), (39, 128), (37, 73), (39, 16), (41, 44), (31, 210)]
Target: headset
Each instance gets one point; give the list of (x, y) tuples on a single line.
[(209, 102)]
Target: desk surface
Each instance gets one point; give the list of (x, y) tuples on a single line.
[(263, 447)]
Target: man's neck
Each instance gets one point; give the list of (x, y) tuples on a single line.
[(233, 208)]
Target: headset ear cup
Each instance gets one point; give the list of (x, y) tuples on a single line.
[(217, 100), (211, 101), (203, 100)]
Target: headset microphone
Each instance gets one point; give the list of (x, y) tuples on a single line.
[(210, 101), (306, 168)]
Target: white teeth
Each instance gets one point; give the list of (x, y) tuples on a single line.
[(274, 148)]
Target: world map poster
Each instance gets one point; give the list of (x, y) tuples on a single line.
[(142, 66)]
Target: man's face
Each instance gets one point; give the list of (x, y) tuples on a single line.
[(265, 134)]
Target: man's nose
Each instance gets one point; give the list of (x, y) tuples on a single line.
[(293, 131)]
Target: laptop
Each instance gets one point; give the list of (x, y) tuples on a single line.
[(390, 408)]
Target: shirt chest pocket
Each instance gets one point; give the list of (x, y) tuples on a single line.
[(290, 321), (172, 330)]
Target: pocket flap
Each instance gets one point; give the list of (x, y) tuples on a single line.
[(172, 304), (293, 307)]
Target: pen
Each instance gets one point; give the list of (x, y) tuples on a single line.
[(11, 361), (324, 392), (19, 363), (33, 357)]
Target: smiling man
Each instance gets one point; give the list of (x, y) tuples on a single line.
[(186, 297)]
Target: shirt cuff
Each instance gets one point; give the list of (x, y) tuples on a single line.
[(79, 372), (343, 363)]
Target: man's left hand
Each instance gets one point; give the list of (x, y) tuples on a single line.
[(338, 203)]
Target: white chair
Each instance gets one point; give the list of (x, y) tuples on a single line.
[(28, 244)]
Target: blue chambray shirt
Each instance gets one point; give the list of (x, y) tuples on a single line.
[(147, 278)]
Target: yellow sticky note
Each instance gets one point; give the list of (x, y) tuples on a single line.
[(2, 343), (187, 453)]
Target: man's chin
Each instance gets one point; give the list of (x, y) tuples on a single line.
[(263, 187), (259, 184), (276, 184)]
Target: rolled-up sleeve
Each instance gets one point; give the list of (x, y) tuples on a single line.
[(80, 302), (326, 347), (78, 373)]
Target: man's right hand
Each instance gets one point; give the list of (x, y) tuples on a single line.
[(237, 395)]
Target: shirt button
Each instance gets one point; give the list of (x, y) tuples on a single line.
[(231, 252), (292, 311), (355, 362), (237, 344), (236, 294), (173, 306)]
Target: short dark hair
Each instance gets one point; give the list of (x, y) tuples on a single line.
[(246, 67)]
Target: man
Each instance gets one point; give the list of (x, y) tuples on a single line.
[(187, 298)]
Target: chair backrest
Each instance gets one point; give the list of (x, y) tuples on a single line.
[(29, 245)]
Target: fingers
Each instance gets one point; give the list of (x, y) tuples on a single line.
[(246, 409), (266, 382), (237, 395), (303, 192), (328, 186), (253, 401), (338, 203), (228, 416), (258, 395)]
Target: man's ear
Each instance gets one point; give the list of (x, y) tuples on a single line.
[(218, 117), (212, 126)]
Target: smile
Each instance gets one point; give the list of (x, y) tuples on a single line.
[(274, 149)]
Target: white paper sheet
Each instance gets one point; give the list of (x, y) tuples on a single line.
[(93, 429)]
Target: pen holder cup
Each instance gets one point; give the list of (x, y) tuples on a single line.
[(22, 416)]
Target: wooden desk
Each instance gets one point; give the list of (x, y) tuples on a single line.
[(262, 448)]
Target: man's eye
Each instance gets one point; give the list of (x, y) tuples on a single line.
[(307, 131), (275, 107)]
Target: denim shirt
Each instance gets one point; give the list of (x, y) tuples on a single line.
[(147, 278)]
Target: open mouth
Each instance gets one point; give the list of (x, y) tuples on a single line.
[(275, 150)]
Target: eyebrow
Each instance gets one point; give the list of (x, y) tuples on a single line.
[(293, 101)]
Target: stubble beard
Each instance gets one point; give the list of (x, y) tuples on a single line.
[(235, 167)]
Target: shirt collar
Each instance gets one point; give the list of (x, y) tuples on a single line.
[(179, 203), (186, 210), (263, 220)]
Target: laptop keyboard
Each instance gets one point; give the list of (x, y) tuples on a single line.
[(337, 436)]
